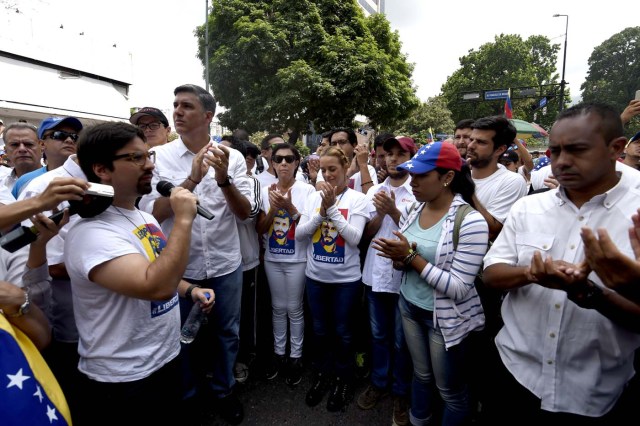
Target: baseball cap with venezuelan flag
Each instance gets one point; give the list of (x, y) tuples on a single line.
[(433, 156)]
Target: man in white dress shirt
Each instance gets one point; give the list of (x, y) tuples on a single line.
[(218, 175), (566, 347)]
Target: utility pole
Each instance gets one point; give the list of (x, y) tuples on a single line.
[(563, 83)]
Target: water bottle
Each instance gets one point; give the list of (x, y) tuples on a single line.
[(196, 318)]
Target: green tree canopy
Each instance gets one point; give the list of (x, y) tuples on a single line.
[(278, 65), (432, 114), (614, 72), (508, 62)]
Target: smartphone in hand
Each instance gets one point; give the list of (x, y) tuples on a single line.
[(637, 95)]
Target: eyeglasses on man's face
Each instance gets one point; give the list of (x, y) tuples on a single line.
[(288, 158), (62, 136), (138, 158), (151, 126)]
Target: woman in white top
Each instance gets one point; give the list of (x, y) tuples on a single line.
[(285, 258), (333, 218)]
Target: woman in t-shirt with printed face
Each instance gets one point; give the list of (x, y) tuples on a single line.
[(438, 300), (285, 258), (333, 218)]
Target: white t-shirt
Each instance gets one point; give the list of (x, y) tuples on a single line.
[(266, 179), (378, 271), (498, 192), (122, 338), (280, 243), (355, 181), (331, 258)]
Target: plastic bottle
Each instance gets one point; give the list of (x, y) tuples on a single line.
[(196, 318)]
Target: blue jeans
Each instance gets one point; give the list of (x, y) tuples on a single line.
[(332, 307), (389, 354), (432, 361), (213, 353)]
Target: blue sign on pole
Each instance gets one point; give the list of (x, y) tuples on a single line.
[(542, 102), (496, 94)]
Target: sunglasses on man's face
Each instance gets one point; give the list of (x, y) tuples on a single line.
[(59, 135), (288, 158)]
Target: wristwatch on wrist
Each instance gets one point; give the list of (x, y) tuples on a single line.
[(227, 182), (296, 216), (24, 308)]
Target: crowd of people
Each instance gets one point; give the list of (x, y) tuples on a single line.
[(484, 285)]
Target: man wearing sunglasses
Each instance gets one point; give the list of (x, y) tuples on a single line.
[(58, 137)]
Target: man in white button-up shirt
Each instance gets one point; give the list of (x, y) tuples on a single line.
[(218, 175), (567, 354)]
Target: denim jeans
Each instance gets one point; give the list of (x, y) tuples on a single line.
[(431, 361), (390, 356), (213, 353), (332, 307)]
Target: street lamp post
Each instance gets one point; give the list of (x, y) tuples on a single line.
[(563, 83), (206, 45)]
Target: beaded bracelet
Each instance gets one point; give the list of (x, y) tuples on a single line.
[(409, 258)]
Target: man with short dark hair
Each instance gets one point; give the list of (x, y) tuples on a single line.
[(391, 363), (496, 188), (363, 176), (153, 123), (462, 136), (565, 347), (218, 175)]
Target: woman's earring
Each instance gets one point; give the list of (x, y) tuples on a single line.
[(446, 184)]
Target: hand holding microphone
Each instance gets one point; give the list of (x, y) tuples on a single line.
[(164, 188)]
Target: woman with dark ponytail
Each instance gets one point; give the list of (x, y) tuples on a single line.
[(438, 302)]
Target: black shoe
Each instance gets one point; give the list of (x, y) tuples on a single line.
[(294, 371), (230, 409), (319, 387), (341, 394), (273, 367)]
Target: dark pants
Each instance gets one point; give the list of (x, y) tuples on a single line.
[(213, 353), (62, 358), (332, 310), (248, 316), (513, 404), (154, 400)]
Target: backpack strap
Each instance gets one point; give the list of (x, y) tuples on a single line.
[(460, 215)]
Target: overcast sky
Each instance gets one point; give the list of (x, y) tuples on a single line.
[(159, 34)]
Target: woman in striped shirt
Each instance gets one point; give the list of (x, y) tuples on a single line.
[(439, 303)]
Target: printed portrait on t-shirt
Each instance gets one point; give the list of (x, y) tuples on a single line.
[(282, 239), (328, 244), (152, 239)]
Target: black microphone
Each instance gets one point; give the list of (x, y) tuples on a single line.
[(96, 199), (164, 188)]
